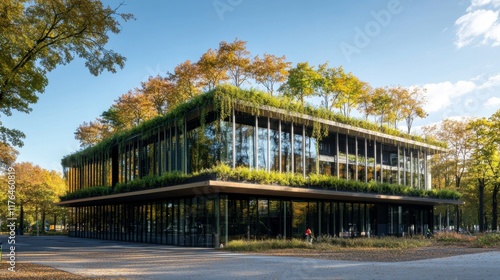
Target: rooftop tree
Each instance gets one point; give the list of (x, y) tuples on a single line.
[(270, 71)]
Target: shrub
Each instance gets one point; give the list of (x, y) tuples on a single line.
[(487, 240), (452, 238), (262, 245), (325, 243), (243, 174)]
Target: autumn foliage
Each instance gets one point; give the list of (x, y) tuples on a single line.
[(232, 63)]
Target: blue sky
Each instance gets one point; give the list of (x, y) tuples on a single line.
[(449, 47)]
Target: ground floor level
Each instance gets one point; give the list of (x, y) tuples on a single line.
[(208, 221)]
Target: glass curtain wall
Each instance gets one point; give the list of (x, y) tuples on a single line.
[(204, 221), (255, 142)]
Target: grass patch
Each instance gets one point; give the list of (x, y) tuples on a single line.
[(263, 245), (453, 239), (383, 242), (487, 240), (326, 243)]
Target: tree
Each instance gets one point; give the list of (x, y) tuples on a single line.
[(350, 89), (381, 104), (211, 69), (455, 160), (129, 110), (399, 95), (365, 105), (186, 80), (486, 155), (480, 159), (37, 36), (302, 81), (236, 59), (270, 70), (329, 86), (37, 190), (8, 154), (495, 166), (161, 92), (413, 106), (92, 133)]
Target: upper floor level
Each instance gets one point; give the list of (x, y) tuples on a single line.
[(255, 136)]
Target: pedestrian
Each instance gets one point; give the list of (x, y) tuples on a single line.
[(308, 235)]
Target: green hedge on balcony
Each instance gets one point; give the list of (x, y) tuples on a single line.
[(241, 174)]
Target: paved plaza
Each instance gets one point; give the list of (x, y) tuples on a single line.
[(112, 259)]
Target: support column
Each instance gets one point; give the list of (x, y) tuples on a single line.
[(337, 153), (234, 139)]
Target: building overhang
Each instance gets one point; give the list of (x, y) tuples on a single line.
[(210, 188)]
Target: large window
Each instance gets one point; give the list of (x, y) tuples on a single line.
[(274, 145), (310, 153), (263, 147), (327, 155), (298, 149), (225, 145), (286, 147), (245, 140)]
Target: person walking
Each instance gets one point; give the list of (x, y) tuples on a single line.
[(309, 235)]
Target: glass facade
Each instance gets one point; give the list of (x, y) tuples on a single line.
[(264, 141), (254, 142), (209, 221)]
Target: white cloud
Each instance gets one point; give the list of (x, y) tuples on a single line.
[(492, 102), (492, 81), (481, 3), (480, 23), (442, 95)]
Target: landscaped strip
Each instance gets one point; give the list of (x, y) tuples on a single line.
[(223, 172)]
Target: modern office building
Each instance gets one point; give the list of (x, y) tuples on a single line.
[(208, 210)]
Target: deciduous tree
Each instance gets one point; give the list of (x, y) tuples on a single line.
[(236, 59), (37, 36), (350, 89), (92, 132), (329, 86), (186, 80), (413, 106), (129, 110), (8, 154), (486, 157), (302, 81), (381, 104), (365, 105), (270, 71), (37, 190), (161, 92), (455, 161), (480, 158), (211, 69)]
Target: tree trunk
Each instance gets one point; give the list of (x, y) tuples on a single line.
[(480, 186), (43, 220), (21, 223), (494, 205), (458, 179)]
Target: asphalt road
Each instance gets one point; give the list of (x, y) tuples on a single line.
[(112, 259)]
